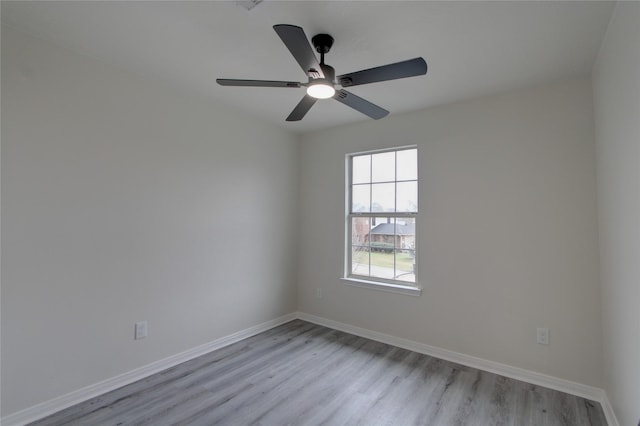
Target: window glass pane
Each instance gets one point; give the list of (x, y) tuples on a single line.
[(407, 197), (383, 167), (382, 263), (381, 240), (383, 197), (407, 164), (360, 198), (405, 265), (360, 227), (377, 220), (405, 232), (382, 233), (360, 260), (361, 169)]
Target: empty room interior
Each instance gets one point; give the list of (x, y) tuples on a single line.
[(300, 212)]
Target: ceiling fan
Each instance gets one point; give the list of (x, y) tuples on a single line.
[(322, 84)]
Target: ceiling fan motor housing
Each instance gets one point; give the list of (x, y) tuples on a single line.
[(329, 73)]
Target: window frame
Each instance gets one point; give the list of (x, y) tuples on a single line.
[(377, 283)]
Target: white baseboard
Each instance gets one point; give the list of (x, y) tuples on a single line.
[(54, 405), (562, 385), (608, 410)]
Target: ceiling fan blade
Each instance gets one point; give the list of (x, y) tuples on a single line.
[(359, 104), (256, 83), (302, 108), (409, 68), (296, 41)]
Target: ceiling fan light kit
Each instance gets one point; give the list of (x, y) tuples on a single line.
[(322, 78), (321, 89)]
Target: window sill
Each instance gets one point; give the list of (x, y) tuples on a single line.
[(391, 288)]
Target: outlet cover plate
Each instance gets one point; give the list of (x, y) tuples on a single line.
[(140, 330), (543, 336)]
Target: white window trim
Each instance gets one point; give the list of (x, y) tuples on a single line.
[(392, 286), (382, 286)]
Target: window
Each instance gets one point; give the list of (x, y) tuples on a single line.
[(382, 208)]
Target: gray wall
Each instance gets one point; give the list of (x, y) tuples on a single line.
[(507, 230), (124, 201), (616, 83)]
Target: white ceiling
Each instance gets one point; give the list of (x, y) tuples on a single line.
[(471, 48)]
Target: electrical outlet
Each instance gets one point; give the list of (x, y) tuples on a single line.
[(543, 336), (318, 293), (140, 330)]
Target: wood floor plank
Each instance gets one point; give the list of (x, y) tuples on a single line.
[(304, 374), (257, 409)]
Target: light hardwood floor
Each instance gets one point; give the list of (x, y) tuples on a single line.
[(306, 374)]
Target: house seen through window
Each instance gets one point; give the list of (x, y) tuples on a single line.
[(382, 211)]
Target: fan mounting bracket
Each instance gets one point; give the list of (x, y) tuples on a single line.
[(322, 43)]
